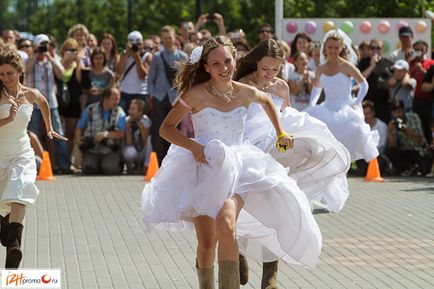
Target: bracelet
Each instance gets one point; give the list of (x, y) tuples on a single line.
[(282, 134)]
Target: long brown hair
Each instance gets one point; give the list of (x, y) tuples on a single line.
[(191, 74), (12, 58), (110, 37), (248, 63)]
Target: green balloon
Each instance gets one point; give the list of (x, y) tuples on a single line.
[(386, 46), (347, 26)]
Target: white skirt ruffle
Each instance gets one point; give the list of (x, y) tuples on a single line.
[(349, 127), (275, 222), (317, 161)]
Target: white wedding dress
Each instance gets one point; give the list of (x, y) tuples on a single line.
[(275, 222), (17, 160), (345, 122), (318, 162)]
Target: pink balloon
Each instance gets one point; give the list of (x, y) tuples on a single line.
[(291, 27), (310, 27), (384, 26), (365, 27), (401, 23)]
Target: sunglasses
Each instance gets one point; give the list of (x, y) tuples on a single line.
[(26, 46), (265, 31), (71, 50), (375, 47)]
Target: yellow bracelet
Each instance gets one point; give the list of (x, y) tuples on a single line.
[(282, 134)]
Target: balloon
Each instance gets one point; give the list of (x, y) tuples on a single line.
[(347, 26), (401, 23), (328, 25), (384, 26), (310, 27), (291, 27), (420, 26), (386, 46), (365, 27)]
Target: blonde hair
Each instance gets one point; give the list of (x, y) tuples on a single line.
[(191, 74), (345, 53), (78, 27), (69, 42), (140, 104)]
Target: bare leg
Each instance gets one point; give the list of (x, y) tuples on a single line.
[(206, 237)]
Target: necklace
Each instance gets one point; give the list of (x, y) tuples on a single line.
[(10, 96), (227, 96), (263, 87)]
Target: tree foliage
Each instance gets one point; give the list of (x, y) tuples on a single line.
[(57, 16)]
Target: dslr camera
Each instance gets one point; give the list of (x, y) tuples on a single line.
[(135, 47), (43, 48), (399, 123)]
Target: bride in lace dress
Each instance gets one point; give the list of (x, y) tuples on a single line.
[(232, 194), (17, 158)]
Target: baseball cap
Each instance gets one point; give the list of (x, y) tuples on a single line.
[(400, 65), (135, 37), (41, 38), (405, 31)]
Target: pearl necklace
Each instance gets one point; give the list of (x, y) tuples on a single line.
[(227, 96), (10, 96)]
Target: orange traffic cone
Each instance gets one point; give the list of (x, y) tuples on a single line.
[(373, 173), (45, 171), (152, 167)]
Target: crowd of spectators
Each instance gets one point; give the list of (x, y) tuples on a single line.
[(110, 102)]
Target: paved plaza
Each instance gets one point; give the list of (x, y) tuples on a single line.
[(90, 228)]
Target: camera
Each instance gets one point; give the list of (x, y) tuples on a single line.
[(87, 144), (111, 144), (211, 17), (399, 123), (134, 125), (42, 48), (135, 47)]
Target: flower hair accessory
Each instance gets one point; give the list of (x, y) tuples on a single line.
[(196, 54)]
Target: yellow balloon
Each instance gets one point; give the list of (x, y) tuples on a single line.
[(328, 25)]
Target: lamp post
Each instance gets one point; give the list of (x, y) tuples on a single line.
[(130, 15)]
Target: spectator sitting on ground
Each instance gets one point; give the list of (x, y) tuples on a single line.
[(137, 138), (99, 133), (407, 147), (378, 125)]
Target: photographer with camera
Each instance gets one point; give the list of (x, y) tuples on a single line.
[(137, 141), (406, 51), (133, 70), (41, 70), (407, 147), (401, 85), (210, 18), (162, 72), (99, 133)]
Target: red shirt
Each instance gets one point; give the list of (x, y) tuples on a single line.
[(419, 76)]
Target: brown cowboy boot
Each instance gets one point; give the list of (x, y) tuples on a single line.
[(244, 270), (269, 275), (13, 249), (205, 277), (229, 275)]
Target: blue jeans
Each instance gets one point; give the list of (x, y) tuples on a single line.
[(60, 147)]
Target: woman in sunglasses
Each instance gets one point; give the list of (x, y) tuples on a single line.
[(69, 87)]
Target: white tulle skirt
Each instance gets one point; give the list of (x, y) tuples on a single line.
[(276, 221), (349, 127), (317, 161)]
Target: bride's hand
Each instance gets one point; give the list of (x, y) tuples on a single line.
[(199, 154), (285, 142), (52, 134), (13, 111)]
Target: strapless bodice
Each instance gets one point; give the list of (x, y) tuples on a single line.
[(228, 127), (13, 136), (254, 108), (337, 89)]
